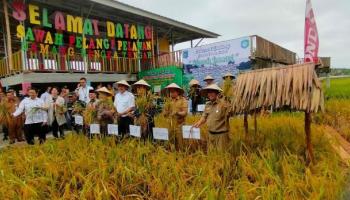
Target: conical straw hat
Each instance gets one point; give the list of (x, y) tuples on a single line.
[(123, 82), (228, 74), (104, 90), (194, 82), (173, 86), (213, 86), (208, 78), (142, 82)]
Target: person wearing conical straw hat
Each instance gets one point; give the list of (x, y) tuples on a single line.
[(124, 103), (104, 109), (175, 109), (194, 94), (145, 108), (228, 86), (209, 80), (229, 76), (216, 115)]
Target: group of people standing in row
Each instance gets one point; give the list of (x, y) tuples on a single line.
[(56, 110)]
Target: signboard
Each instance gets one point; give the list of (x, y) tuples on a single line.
[(95, 129), (112, 129), (160, 133), (162, 76), (189, 132), (216, 59), (135, 131), (79, 120), (52, 31)]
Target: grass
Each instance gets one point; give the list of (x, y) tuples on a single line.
[(339, 88), (270, 164), (267, 165)]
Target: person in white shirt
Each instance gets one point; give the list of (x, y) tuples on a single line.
[(56, 109), (36, 116), (46, 94), (124, 103), (83, 90)]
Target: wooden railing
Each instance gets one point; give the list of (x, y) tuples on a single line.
[(170, 59), (36, 62)]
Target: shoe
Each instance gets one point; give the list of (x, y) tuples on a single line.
[(12, 142)]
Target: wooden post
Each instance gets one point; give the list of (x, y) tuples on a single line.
[(255, 123), (8, 36), (153, 58), (309, 153), (245, 123)]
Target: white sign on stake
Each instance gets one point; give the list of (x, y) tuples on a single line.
[(200, 107), (191, 133), (95, 129), (112, 129), (135, 131), (78, 119), (161, 133)]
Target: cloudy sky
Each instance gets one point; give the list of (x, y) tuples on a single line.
[(281, 21)]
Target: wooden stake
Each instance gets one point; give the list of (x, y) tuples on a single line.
[(245, 123), (8, 36), (309, 153), (255, 123)]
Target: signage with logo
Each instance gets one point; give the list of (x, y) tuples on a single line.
[(217, 59)]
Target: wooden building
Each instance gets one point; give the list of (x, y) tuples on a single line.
[(59, 41)]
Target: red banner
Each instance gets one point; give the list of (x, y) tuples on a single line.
[(311, 41)]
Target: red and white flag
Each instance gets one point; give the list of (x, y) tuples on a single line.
[(311, 42)]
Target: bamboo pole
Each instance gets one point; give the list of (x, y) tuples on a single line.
[(309, 153), (8, 36)]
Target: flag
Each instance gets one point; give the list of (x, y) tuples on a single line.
[(311, 41)]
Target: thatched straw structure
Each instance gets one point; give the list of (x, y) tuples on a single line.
[(296, 87)]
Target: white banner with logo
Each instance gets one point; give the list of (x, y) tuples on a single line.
[(217, 59)]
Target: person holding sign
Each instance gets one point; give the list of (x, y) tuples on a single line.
[(124, 103), (105, 109), (209, 80), (175, 109), (145, 108), (77, 107), (194, 95), (216, 114)]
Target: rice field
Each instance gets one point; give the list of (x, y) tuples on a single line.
[(339, 88), (268, 164)]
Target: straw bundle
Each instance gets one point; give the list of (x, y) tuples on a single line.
[(294, 86)]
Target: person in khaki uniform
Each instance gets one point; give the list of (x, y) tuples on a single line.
[(176, 109), (105, 109), (13, 124), (216, 114)]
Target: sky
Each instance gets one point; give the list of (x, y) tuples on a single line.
[(280, 21)]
